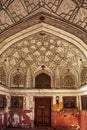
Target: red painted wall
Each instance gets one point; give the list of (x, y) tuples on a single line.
[(83, 120), (24, 119), (4, 120), (16, 118), (19, 118), (66, 119)]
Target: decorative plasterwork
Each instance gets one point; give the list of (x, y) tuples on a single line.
[(17, 79), (47, 28), (43, 49), (68, 80), (46, 45), (84, 76), (2, 76), (71, 11)]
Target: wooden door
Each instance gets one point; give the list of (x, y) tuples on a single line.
[(43, 111)]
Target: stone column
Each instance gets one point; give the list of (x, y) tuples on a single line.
[(57, 80), (28, 79)]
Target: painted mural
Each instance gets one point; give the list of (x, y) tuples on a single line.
[(65, 119), (4, 120), (21, 118)]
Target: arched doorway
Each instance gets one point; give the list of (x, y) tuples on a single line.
[(43, 80)]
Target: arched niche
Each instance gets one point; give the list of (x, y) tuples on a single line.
[(43, 80), (46, 75), (68, 80), (17, 78)]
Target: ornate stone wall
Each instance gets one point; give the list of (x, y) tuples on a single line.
[(43, 49)]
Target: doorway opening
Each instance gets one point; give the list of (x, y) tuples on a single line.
[(43, 111)]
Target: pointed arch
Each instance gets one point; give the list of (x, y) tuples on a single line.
[(17, 78), (46, 75), (43, 80)]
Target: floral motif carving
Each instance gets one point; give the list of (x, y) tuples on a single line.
[(2, 76)]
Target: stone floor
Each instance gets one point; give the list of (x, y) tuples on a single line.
[(39, 128), (44, 128)]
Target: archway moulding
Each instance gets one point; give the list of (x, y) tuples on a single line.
[(46, 28), (47, 18)]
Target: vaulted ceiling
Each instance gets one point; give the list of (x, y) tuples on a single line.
[(14, 11), (43, 49), (50, 33)]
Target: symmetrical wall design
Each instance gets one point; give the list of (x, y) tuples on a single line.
[(13, 11), (42, 37), (43, 50)]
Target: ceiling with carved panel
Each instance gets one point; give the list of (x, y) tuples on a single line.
[(13, 12), (44, 34), (43, 49)]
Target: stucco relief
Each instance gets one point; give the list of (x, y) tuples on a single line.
[(17, 77), (68, 80), (69, 77), (84, 75), (2, 75), (42, 49)]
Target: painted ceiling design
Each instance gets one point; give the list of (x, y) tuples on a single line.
[(16, 11), (43, 49)]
